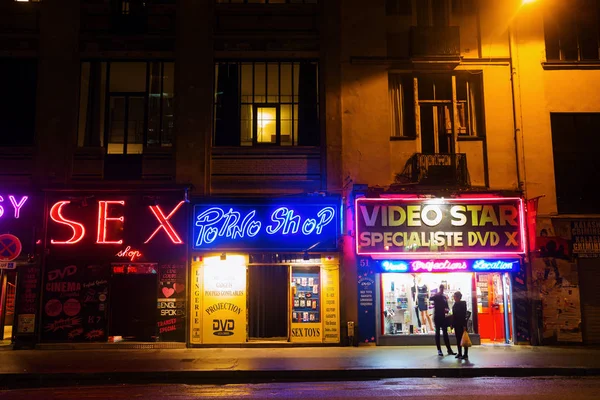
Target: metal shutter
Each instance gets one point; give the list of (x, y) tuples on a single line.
[(589, 283)]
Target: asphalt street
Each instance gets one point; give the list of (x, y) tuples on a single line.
[(542, 388)]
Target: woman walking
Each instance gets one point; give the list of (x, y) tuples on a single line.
[(459, 315)]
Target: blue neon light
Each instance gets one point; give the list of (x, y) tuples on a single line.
[(496, 265), (397, 266), (312, 227)]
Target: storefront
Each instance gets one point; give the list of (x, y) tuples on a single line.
[(19, 266), (265, 270), (408, 246), (115, 268)]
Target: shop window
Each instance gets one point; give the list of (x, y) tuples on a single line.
[(126, 106), (433, 104), (266, 103), (571, 30), (406, 304), (18, 102), (575, 142)]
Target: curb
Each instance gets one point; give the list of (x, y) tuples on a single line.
[(37, 380)]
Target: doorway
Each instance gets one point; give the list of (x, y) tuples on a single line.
[(133, 306), (494, 307), (268, 287), (8, 281)]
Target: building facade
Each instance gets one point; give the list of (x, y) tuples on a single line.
[(195, 156)]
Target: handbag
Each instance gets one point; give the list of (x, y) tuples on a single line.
[(465, 340)]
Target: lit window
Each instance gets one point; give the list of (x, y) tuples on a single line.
[(258, 103)]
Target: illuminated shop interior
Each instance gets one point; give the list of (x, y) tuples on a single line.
[(406, 308)]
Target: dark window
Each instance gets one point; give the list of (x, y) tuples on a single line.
[(126, 106), (398, 7), (463, 7), (266, 1), (435, 108), (575, 143), (266, 103), (571, 30), (17, 103)]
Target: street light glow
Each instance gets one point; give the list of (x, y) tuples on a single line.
[(525, 2)]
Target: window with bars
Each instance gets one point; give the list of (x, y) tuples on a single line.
[(126, 106), (266, 103), (431, 98), (572, 30)]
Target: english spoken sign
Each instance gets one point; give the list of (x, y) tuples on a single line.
[(426, 226)]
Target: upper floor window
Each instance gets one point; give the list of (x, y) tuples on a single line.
[(398, 7), (575, 143), (432, 99), (571, 30), (126, 106), (18, 100), (266, 103)]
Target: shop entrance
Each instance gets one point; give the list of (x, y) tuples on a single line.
[(133, 305), (268, 302), (494, 313), (7, 303)]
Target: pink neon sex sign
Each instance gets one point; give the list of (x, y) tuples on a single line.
[(419, 227)]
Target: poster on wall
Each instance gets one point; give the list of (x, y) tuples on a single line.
[(585, 236), (331, 303), (555, 282), (366, 301), (27, 298), (224, 300), (75, 303), (171, 304)]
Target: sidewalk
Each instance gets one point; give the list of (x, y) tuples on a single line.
[(226, 365)]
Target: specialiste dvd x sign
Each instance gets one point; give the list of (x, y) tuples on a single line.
[(462, 226), (294, 226)]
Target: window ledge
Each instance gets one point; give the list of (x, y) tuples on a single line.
[(401, 138), (559, 65)]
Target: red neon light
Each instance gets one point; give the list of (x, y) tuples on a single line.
[(165, 224), (103, 219), (119, 270), (56, 215), (430, 254), (129, 253)]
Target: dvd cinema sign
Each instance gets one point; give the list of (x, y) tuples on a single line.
[(426, 226)]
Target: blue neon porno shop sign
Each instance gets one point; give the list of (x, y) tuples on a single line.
[(291, 227)]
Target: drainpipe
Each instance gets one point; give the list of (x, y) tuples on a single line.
[(516, 129)]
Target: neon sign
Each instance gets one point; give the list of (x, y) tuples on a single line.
[(298, 227), (165, 224), (480, 226), (498, 265), (442, 265), (438, 266), (16, 205), (103, 220), (129, 253)]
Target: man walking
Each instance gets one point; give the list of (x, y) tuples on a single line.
[(440, 308)]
